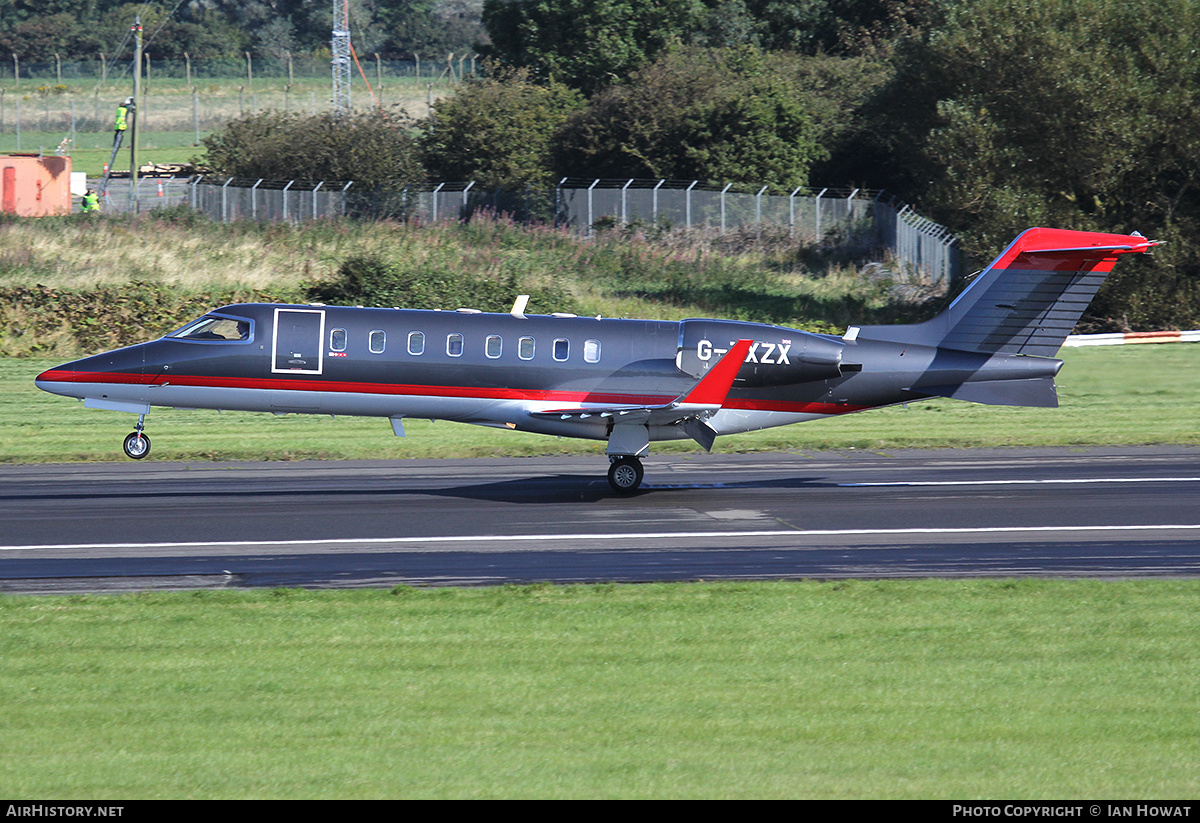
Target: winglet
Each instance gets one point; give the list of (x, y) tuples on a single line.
[(714, 387)]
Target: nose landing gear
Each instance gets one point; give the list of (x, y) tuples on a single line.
[(137, 444)]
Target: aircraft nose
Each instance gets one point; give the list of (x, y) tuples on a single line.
[(56, 379), (119, 366)]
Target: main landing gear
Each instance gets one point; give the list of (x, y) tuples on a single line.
[(137, 444), (625, 474)]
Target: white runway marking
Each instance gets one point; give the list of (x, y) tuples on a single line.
[(544, 538), (1028, 482)]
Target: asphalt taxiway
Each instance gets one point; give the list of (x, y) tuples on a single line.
[(1104, 512)]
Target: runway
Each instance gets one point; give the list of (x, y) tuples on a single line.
[(1110, 512)]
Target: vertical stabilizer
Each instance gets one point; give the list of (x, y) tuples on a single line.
[(1028, 300)]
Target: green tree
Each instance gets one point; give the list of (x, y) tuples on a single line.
[(371, 148), (1071, 113), (497, 131), (586, 44), (40, 38), (433, 28), (722, 115)]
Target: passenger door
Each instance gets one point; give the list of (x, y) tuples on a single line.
[(299, 336)]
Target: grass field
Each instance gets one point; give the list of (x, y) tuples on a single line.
[(902, 689), (173, 119)]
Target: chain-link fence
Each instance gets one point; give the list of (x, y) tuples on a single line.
[(293, 200), (857, 221), (16, 74), (151, 193), (809, 214), (198, 96)]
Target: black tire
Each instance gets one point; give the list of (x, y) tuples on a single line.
[(625, 474), (137, 445)]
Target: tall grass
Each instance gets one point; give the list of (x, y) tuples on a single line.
[(88, 262)]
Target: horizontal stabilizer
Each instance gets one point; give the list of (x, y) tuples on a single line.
[(1037, 391)]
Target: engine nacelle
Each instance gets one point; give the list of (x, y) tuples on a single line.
[(779, 356)]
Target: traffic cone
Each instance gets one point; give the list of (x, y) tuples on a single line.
[(160, 191)]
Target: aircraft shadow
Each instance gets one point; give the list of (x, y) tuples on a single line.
[(542, 490)]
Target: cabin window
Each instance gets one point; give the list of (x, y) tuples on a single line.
[(494, 346), (562, 349), (337, 340), (416, 342), (454, 345), (591, 351), (377, 341), (525, 348)]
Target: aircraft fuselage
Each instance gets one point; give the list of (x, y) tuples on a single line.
[(490, 369)]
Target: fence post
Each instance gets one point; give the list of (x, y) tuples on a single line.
[(656, 188), (688, 203), (850, 216), (225, 201), (758, 207), (463, 212), (558, 204), (348, 185), (818, 220), (792, 212), (315, 189), (435, 201), (285, 191), (624, 209), (591, 221), (727, 185), (254, 200)]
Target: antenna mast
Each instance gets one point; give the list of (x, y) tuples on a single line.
[(341, 57)]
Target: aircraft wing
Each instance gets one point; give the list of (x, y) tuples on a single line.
[(688, 410)]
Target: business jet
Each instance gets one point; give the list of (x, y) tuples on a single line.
[(625, 382)]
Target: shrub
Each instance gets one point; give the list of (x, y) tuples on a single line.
[(371, 148)]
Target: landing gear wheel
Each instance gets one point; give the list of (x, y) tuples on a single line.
[(625, 474), (137, 445)]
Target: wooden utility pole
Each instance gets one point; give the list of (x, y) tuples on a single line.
[(137, 104)]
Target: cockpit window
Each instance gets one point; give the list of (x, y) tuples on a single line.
[(215, 328)]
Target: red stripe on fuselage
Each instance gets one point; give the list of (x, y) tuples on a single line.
[(475, 392)]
